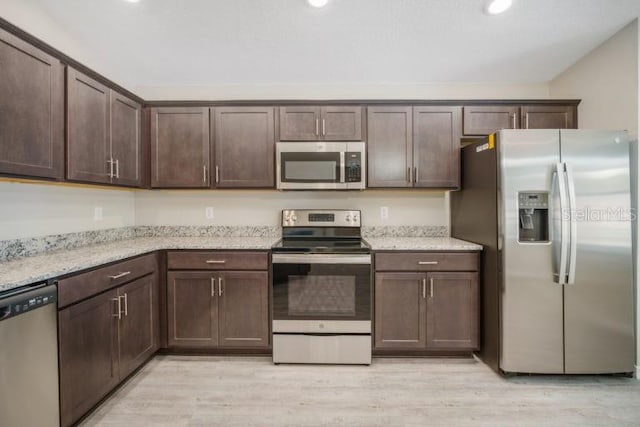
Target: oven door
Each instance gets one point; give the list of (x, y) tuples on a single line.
[(310, 165), (321, 293)]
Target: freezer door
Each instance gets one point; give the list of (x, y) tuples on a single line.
[(531, 302), (598, 312)]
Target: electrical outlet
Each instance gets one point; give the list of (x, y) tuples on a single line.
[(97, 213), (208, 212), (384, 212)]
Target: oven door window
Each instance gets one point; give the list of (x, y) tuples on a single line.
[(310, 167), (321, 292)]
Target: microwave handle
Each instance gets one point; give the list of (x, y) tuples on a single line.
[(343, 172)]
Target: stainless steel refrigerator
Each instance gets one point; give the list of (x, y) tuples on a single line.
[(553, 211)]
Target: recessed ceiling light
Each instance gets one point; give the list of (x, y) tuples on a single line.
[(495, 7), (133, 1), (318, 3)]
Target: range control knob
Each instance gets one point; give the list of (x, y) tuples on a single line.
[(355, 217), (294, 218), (348, 218)]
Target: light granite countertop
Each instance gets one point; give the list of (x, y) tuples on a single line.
[(421, 244), (35, 268), (57, 263)]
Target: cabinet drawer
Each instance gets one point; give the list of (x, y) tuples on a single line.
[(213, 260), (427, 261), (84, 285)]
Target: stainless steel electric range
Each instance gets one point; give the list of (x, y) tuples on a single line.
[(322, 284)]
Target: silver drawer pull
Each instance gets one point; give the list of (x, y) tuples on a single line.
[(118, 302), (215, 261), (121, 275), (427, 262)]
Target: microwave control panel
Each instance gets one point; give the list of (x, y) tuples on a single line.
[(353, 167)]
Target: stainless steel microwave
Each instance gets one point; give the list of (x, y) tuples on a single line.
[(320, 165)]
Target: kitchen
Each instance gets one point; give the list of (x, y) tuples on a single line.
[(41, 209)]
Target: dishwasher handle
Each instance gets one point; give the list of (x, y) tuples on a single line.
[(22, 300)]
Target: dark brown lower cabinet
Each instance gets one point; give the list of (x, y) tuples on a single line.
[(452, 311), (218, 309), (426, 309), (102, 340)]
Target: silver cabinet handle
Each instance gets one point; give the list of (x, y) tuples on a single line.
[(415, 175), (220, 286), (526, 120), (126, 304), (424, 288), (317, 127), (117, 168), (409, 175), (217, 174), (431, 287), (427, 262), (110, 161), (213, 286), (204, 173), (215, 261), (323, 128), (119, 276), (513, 121), (119, 307)]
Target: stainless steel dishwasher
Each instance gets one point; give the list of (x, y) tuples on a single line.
[(29, 357)]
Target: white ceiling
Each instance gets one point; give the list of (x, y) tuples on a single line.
[(220, 42)]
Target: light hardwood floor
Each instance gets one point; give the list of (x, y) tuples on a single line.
[(248, 391)]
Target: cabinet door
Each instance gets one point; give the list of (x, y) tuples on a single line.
[(400, 310), (31, 110), (548, 117), (487, 119), (452, 311), (390, 145), (244, 147), (88, 354), (192, 305), (244, 309), (341, 123), (180, 147), (300, 123), (436, 146), (125, 140), (138, 327), (88, 145)]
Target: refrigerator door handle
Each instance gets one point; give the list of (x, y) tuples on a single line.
[(573, 226), (559, 179)]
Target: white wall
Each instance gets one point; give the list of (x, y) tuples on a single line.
[(607, 80), (32, 210), (351, 91), (29, 17), (263, 207)]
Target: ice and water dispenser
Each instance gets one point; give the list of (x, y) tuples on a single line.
[(533, 212)]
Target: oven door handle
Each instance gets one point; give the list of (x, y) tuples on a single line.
[(320, 259)]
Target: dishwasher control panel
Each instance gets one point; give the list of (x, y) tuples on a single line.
[(16, 302)]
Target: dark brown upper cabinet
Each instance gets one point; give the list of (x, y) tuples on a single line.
[(31, 110), (548, 117), (180, 147), (436, 146), (314, 123), (390, 145), (487, 119), (103, 133), (126, 149), (243, 147), (414, 147)]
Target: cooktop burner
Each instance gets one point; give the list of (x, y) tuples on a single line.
[(347, 246)]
